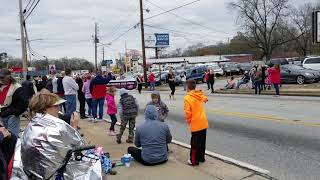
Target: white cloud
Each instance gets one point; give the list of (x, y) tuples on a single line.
[(67, 26)]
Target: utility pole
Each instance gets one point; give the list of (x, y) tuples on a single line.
[(102, 53), (96, 41), (23, 41), (143, 45), (126, 57)]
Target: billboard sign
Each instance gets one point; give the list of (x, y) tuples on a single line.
[(162, 40)]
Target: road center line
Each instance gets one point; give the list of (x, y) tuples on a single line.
[(263, 118)]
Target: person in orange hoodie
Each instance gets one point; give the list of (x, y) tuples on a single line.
[(194, 109)]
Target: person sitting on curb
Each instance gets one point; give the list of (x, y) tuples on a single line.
[(244, 80), (230, 84), (152, 136), (160, 105)]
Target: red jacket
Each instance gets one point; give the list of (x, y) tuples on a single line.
[(275, 76), (152, 78)]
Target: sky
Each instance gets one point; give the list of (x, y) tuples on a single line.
[(65, 27)]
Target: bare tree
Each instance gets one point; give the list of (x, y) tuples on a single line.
[(265, 23), (302, 21)]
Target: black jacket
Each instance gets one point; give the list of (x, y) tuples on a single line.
[(211, 78), (18, 105), (28, 89), (60, 88)]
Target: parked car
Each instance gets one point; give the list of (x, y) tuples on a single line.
[(311, 63), (196, 73), (296, 74), (230, 68), (273, 62), (243, 67)]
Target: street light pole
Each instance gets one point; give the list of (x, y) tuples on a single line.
[(143, 45), (23, 41), (96, 41)]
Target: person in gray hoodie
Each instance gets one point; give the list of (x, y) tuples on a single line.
[(152, 136), (160, 105)]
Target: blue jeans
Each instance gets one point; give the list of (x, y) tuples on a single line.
[(95, 103), (277, 88), (12, 123), (184, 85), (89, 103), (240, 82), (257, 87), (71, 103), (152, 86)]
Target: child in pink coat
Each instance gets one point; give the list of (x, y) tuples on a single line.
[(111, 109)]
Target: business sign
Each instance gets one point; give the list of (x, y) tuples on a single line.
[(127, 84), (162, 40), (107, 62), (316, 27)]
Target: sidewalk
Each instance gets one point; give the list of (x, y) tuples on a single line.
[(175, 168)]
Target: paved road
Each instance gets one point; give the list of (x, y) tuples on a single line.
[(278, 134)]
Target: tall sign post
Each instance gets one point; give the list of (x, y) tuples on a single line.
[(316, 27)]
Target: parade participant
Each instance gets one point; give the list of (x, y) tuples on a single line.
[(128, 111), (196, 117), (152, 136), (112, 109)]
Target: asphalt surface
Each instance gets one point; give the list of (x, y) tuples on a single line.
[(278, 134)]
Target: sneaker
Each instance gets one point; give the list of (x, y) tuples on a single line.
[(112, 133), (95, 120), (90, 119), (118, 141), (190, 163)]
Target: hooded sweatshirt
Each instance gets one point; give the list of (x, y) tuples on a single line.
[(153, 136), (161, 107), (194, 110), (128, 106)]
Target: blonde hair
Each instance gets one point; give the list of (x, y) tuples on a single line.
[(112, 90), (42, 101)]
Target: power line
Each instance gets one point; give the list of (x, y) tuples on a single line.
[(168, 11), (124, 33), (32, 9), (120, 23), (175, 31), (185, 19), (28, 5)]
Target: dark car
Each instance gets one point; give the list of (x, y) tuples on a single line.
[(230, 68), (243, 67), (297, 74), (197, 73), (273, 62)]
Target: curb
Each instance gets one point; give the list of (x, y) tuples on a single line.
[(257, 170)]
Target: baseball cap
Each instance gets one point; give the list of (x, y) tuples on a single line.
[(4, 72)]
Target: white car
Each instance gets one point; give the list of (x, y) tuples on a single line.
[(216, 68), (311, 63)]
